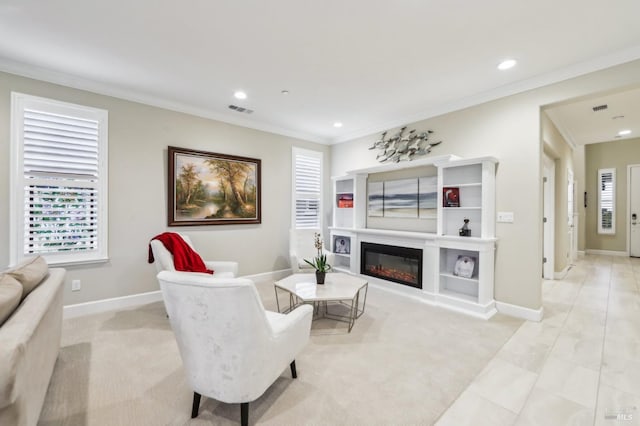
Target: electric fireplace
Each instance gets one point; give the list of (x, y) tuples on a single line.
[(402, 265)]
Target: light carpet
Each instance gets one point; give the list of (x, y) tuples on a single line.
[(404, 363)]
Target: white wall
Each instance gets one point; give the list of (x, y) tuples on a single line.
[(138, 140), (509, 129)]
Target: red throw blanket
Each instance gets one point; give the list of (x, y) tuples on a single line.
[(184, 257)]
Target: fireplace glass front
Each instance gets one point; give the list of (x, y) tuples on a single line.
[(402, 265)]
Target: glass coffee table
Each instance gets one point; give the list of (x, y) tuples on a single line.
[(338, 288)]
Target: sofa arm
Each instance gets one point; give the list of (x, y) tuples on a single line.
[(222, 266)]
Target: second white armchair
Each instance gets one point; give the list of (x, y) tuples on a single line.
[(301, 246)]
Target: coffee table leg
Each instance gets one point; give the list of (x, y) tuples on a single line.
[(275, 289), (364, 302)]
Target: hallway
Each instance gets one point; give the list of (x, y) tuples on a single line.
[(579, 366)]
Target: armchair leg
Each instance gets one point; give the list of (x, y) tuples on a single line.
[(294, 373), (196, 405), (244, 414)]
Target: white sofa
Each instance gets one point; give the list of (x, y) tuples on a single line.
[(29, 341)]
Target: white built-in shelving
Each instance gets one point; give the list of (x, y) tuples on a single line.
[(474, 180)]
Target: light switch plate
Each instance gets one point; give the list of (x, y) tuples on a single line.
[(505, 217)]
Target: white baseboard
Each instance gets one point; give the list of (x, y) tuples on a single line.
[(561, 274), (115, 303), (581, 253), (520, 311), (269, 276), (607, 252)]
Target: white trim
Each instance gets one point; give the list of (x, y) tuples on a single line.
[(295, 152), (81, 83), (117, 303), (559, 275), (69, 80), (548, 211), (269, 277), (629, 167), (546, 79), (581, 253), (607, 252), (614, 206), (19, 103), (520, 311), (112, 304)]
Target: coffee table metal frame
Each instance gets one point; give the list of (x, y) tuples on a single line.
[(339, 288)]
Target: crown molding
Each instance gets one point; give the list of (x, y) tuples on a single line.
[(546, 79), (76, 82)]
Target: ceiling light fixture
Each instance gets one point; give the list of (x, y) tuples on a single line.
[(624, 132), (617, 117), (337, 124), (284, 92), (506, 64), (239, 94)]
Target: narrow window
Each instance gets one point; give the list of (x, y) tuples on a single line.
[(59, 181), (307, 188), (606, 201)]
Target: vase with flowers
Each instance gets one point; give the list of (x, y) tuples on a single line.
[(319, 263)]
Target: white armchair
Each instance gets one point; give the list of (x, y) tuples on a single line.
[(231, 347), (301, 246), (164, 260)]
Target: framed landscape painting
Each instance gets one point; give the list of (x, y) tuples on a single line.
[(206, 188)]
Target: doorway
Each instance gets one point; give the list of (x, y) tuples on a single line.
[(548, 209), (633, 213)]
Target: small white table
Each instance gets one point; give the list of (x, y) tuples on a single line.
[(338, 287)]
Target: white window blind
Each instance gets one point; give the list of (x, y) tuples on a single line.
[(307, 188), (606, 201), (59, 170)]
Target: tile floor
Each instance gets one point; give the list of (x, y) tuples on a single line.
[(579, 366)]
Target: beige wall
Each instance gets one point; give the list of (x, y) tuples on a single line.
[(138, 140), (509, 129), (555, 146), (616, 154)]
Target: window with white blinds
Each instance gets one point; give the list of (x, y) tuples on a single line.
[(307, 188), (606, 201), (59, 181)]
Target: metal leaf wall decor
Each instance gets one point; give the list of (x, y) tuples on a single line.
[(403, 147)]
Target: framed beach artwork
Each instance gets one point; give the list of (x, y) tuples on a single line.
[(207, 188), (428, 197), (375, 206), (401, 198)]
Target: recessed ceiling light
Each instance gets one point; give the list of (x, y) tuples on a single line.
[(506, 64), (624, 132), (617, 117), (337, 124), (239, 94), (284, 92)]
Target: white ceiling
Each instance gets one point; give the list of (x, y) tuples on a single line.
[(580, 124), (371, 64)]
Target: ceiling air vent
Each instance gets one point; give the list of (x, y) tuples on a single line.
[(240, 109), (600, 108)]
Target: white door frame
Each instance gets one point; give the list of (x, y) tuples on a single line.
[(629, 166), (548, 211), (571, 216)]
